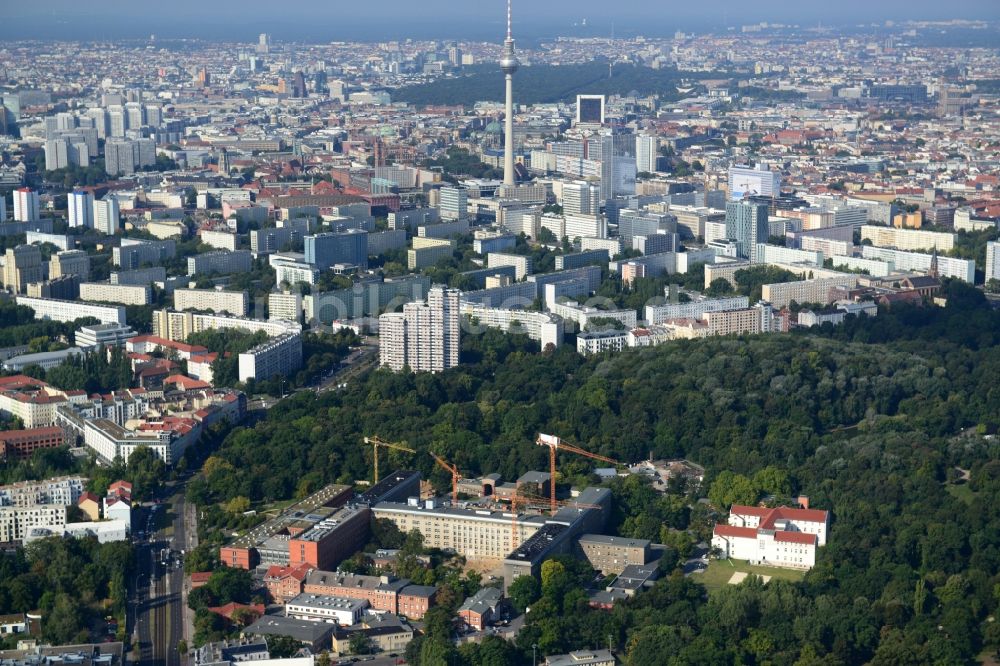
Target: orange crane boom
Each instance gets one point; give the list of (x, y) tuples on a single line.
[(455, 476), (556, 444), (376, 443)]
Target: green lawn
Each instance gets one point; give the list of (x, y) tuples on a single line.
[(720, 571), (961, 492)]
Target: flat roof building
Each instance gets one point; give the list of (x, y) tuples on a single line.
[(323, 608)]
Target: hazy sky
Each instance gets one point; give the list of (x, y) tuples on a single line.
[(336, 19)]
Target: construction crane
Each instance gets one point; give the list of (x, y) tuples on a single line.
[(526, 500), (376, 443), (556, 444), (455, 476)]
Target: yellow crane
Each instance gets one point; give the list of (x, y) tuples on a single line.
[(455, 476), (376, 443)]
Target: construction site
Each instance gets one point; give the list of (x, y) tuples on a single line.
[(499, 527)]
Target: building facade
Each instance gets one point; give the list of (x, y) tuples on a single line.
[(747, 224), (782, 537), (60, 310), (222, 263), (80, 205), (236, 303), (425, 337), (347, 248), (279, 356), (105, 292)]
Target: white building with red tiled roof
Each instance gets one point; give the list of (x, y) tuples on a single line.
[(780, 537)]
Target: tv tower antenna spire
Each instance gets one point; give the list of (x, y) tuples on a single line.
[(509, 64)]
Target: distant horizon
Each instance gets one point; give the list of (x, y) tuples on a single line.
[(323, 22)]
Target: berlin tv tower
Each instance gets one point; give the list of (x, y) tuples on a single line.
[(509, 65)]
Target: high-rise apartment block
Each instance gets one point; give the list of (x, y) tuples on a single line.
[(747, 224), (56, 154), (26, 206), (425, 337), (70, 262), (646, 153), (279, 356), (81, 209), (633, 223), (454, 203), (123, 157), (581, 198), (107, 216), (992, 261), (118, 157), (22, 266)]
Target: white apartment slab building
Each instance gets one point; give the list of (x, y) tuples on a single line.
[(178, 326), (584, 315), (284, 306), (908, 239), (543, 327), (777, 254), (279, 356), (222, 240), (992, 261), (657, 314), (919, 262), (290, 272), (236, 303), (521, 264), (598, 342), (105, 292), (59, 310), (805, 291)]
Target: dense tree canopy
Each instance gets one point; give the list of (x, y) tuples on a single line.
[(71, 581), (550, 83), (873, 420)]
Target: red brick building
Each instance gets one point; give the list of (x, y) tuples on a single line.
[(327, 544), (284, 583), (22, 443), (385, 593)]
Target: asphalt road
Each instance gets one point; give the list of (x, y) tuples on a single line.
[(159, 603), (353, 365), (159, 614)]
